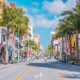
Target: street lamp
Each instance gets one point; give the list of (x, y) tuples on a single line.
[(28, 44), (18, 39), (18, 45)]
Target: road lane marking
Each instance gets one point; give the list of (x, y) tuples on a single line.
[(62, 78), (38, 76), (17, 78)]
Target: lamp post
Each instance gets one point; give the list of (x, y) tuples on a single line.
[(28, 45), (18, 39), (18, 45)]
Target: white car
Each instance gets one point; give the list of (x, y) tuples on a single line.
[(28, 59)]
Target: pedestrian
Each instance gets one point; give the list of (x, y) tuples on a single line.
[(9, 56)]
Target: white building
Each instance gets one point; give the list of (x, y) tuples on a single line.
[(54, 42)]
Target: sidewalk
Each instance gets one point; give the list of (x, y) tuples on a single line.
[(75, 66), (3, 66), (69, 64)]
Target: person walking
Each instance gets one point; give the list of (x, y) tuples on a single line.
[(9, 56)]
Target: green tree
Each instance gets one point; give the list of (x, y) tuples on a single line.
[(14, 19), (18, 22), (31, 44), (5, 21), (68, 25), (50, 49), (73, 16)]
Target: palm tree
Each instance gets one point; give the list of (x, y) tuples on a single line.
[(50, 50), (6, 19), (64, 29), (67, 31), (73, 16), (32, 44), (19, 22), (13, 18), (69, 25)]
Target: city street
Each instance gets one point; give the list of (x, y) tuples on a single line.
[(32, 32), (40, 70)]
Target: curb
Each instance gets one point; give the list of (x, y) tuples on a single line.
[(71, 65)]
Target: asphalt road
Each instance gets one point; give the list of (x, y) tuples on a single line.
[(40, 70)]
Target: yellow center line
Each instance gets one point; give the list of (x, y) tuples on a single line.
[(62, 78), (17, 78)]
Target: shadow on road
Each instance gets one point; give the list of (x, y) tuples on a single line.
[(74, 72), (55, 65)]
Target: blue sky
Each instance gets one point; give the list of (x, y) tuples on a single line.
[(44, 15)]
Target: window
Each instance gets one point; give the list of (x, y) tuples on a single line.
[(3, 31), (3, 38)]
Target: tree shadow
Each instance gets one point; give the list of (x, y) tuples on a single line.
[(55, 65)]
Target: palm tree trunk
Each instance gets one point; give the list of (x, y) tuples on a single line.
[(77, 54), (62, 48), (62, 45), (13, 54), (70, 46), (7, 39)]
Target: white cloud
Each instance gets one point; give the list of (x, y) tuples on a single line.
[(35, 10), (43, 21), (57, 6), (35, 3), (32, 20)]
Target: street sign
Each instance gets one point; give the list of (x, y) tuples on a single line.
[(16, 45), (56, 44)]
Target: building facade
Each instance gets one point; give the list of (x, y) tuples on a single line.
[(3, 3), (53, 41), (36, 38)]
